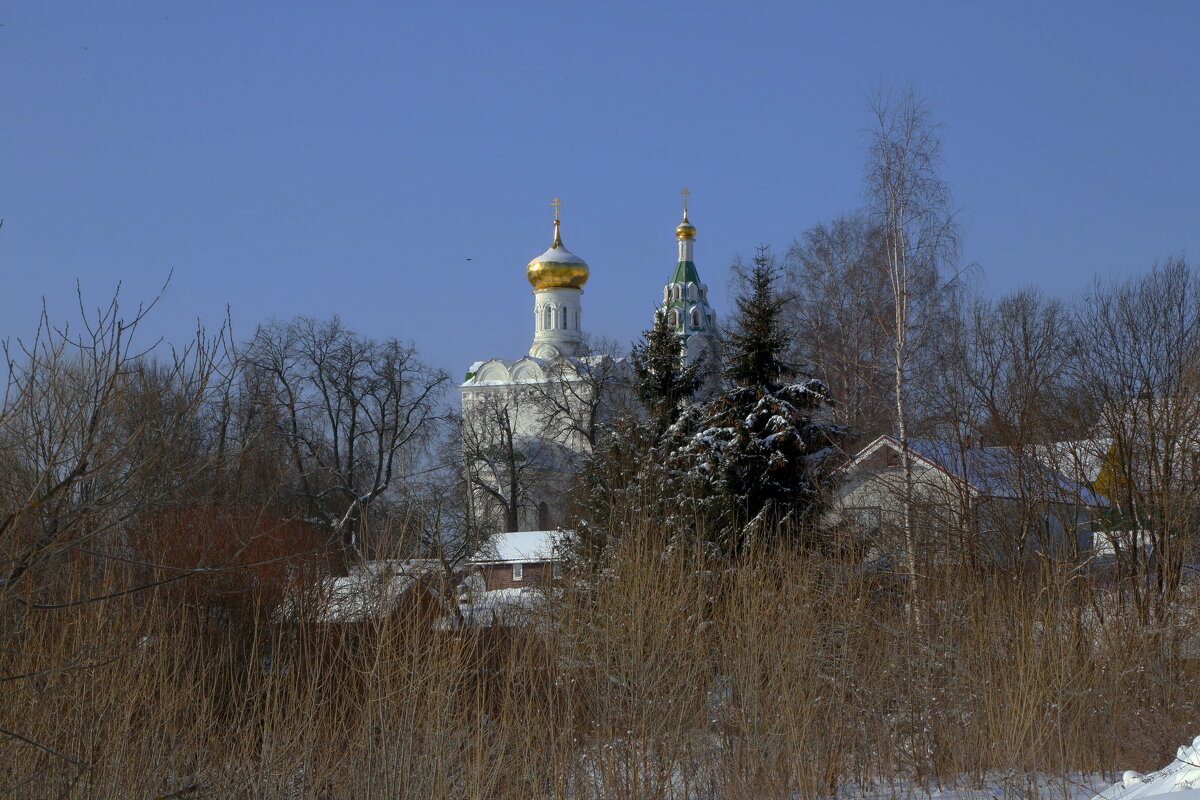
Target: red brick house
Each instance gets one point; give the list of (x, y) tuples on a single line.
[(506, 577), (518, 560)]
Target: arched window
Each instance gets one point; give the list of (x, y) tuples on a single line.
[(691, 291), (678, 292), (695, 317), (666, 294), (674, 317), (546, 312), (564, 317)]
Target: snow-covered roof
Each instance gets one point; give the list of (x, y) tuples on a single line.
[(558, 254), (506, 372), (519, 547), (992, 471), (509, 607), (1080, 459), (372, 590)]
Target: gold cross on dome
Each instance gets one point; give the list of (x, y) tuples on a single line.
[(684, 191), (556, 203)]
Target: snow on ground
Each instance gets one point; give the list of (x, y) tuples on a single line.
[(1180, 779), (994, 786), (501, 607)]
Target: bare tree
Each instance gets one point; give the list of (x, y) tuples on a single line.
[(92, 437), (582, 393), (1007, 382), (840, 296), (1021, 348), (511, 467), (78, 463), (910, 203), (1139, 358), (354, 413)]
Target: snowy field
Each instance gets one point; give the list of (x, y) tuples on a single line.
[(1180, 779)]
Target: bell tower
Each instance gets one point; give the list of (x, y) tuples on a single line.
[(685, 297)]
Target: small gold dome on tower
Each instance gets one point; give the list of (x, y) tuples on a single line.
[(685, 229), (557, 268)]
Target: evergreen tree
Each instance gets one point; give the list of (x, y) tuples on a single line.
[(610, 495), (755, 461), (620, 485), (664, 381), (758, 338)]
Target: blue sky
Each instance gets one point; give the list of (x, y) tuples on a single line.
[(393, 163)]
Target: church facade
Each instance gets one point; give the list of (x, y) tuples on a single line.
[(527, 422)]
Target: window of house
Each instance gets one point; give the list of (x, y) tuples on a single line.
[(893, 457), (518, 572)]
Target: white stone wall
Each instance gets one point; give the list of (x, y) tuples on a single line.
[(557, 322), (533, 390)]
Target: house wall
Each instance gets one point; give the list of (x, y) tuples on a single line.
[(500, 576), (951, 523)]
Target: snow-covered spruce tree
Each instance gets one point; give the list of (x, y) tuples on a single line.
[(755, 461), (608, 499), (620, 485), (664, 379)]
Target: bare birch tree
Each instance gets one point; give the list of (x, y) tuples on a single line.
[(837, 281), (911, 204)]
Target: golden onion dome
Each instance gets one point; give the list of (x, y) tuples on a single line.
[(557, 268), (685, 230)]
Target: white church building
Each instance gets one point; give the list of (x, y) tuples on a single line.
[(527, 422)]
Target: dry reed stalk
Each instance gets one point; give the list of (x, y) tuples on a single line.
[(673, 678)]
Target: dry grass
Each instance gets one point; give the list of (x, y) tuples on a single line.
[(788, 674)]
